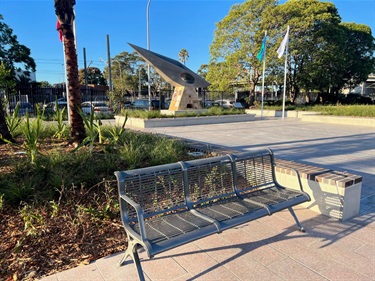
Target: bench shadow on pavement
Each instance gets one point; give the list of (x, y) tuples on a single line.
[(324, 230)]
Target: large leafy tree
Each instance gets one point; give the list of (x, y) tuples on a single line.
[(236, 43), (314, 38), (65, 16), (94, 76), (222, 75), (202, 71), (125, 71), (324, 54), (359, 48), (12, 55), (45, 84)]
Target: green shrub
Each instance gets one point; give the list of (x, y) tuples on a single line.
[(42, 181), (32, 131), (13, 121)]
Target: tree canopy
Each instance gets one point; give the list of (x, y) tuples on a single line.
[(12, 54), (94, 76), (324, 53), (235, 45)]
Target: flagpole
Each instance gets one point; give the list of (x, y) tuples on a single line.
[(263, 73), (285, 67)]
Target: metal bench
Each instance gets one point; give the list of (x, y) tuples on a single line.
[(165, 206)]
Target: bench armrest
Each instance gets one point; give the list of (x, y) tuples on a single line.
[(295, 171), (140, 217)]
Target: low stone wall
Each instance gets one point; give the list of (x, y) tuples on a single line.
[(279, 113), (183, 121), (312, 116), (343, 120), (335, 194)]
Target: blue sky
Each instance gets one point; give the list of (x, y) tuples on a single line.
[(174, 25)]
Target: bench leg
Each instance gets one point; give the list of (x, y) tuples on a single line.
[(133, 253), (296, 219)]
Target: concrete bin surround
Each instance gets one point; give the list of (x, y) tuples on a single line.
[(335, 194)]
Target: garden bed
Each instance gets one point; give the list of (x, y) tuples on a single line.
[(62, 211)]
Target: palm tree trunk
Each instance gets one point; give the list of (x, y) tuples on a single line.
[(65, 14), (77, 129)]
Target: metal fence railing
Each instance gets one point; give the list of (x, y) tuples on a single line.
[(34, 95), (31, 96)]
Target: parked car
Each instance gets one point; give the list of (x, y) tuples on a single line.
[(127, 104), (210, 103), (230, 104), (24, 107), (99, 107), (51, 106), (167, 103), (144, 104)]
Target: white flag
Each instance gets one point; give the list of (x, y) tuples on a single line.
[(283, 45)]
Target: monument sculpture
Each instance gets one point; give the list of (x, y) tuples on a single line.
[(182, 78)]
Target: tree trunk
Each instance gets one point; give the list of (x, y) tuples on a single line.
[(65, 14), (77, 129), (4, 131)]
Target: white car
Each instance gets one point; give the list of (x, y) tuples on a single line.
[(61, 103), (229, 104), (99, 107)]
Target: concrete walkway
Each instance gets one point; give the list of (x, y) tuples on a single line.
[(271, 248)]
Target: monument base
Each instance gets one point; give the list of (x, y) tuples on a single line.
[(184, 98)]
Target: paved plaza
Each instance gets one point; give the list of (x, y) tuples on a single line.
[(271, 248)]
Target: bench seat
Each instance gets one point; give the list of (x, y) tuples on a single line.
[(166, 206)]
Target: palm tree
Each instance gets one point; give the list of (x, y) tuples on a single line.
[(183, 56), (65, 16)]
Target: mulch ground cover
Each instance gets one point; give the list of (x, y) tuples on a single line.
[(47, 238)]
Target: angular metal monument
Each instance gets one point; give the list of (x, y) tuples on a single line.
[(182, 78)]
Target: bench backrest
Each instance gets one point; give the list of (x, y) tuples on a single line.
[(208, 179), (254, 170), (157, 189), (166, 188)]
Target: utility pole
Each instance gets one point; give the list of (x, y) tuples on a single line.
[(109, 65), (85, 68)]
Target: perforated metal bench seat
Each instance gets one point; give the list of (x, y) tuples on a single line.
[(165, 206)]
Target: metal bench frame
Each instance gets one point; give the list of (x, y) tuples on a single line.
[(166, 206)]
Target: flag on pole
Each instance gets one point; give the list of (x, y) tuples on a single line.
[(283, 45), (58, 28), (262, 51)]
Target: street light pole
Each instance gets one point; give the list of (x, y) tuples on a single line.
[(119, 66), (148, 48)]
